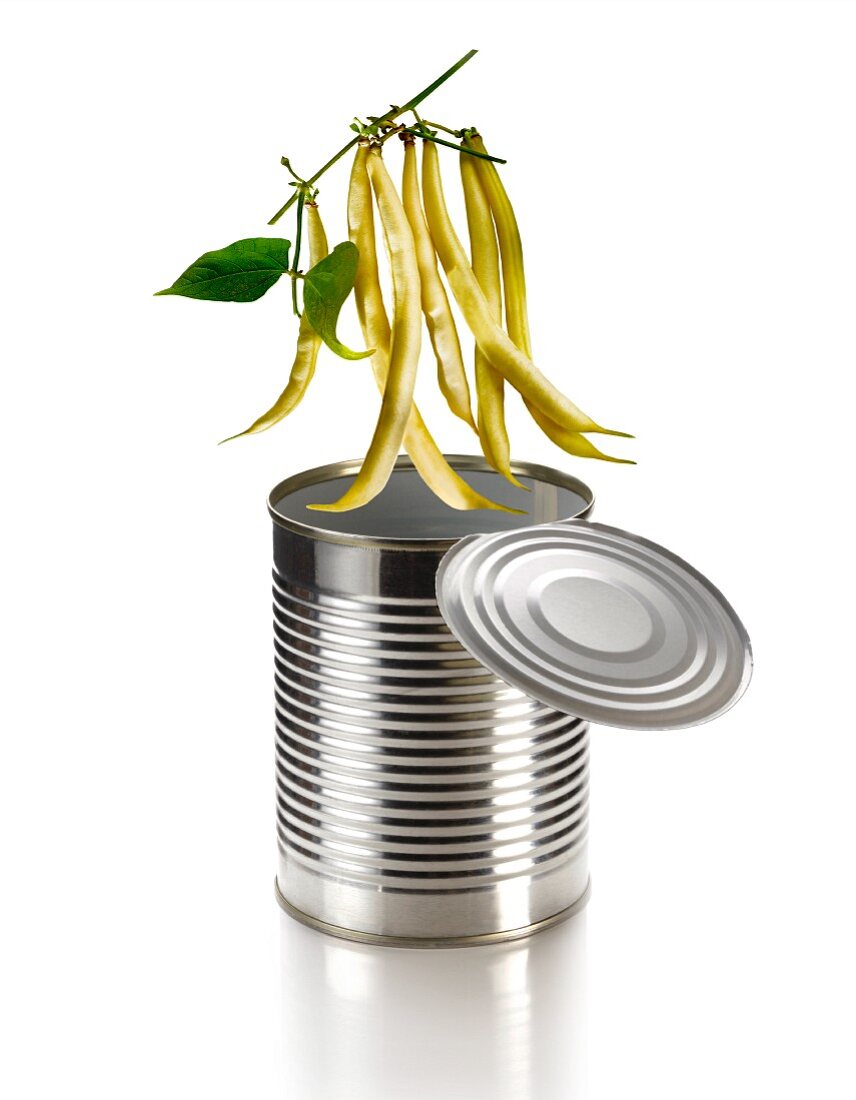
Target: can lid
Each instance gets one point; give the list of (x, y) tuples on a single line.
[(596, 622)]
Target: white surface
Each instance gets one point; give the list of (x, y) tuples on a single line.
[(690, 233)]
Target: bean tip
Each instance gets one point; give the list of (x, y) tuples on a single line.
[(509, 476), (611, 431)]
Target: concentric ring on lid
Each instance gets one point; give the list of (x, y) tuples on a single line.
[(596, 622)]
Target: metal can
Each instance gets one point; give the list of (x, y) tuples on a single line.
[(421, 800)]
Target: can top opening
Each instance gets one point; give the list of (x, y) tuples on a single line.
[(406, 513)]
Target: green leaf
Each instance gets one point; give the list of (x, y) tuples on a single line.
[(240, 272), (325, 288)]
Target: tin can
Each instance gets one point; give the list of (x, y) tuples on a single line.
[(421, 800)]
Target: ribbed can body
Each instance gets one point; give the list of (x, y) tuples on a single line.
[(419, 797)]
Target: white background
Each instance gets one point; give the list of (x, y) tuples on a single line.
[(685, 179)]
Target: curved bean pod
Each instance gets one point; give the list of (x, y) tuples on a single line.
[(500, 350), (516, 312), (490, 385), (510, 245), (308, 343), (435, 304), (574, 443), (404, 347)]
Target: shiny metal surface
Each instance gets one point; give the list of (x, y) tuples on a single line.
[(418, 795), (597, 622), (444, 942), (407, 515)]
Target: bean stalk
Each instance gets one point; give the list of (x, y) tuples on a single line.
[(301, 199), (426, 135), (388, 117)]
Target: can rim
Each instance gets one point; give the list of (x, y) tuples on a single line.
[(459, 463)]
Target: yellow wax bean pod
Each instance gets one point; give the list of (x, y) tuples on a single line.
[(510, 246), (574, 443), (502, 353), (490, 385), (308, 343), (427, 457), (404, 346), (435, 303), (514, 283)]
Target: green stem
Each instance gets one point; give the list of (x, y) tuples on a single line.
[(301, 199), (390, 116), (287, 163), (438, 126), (411, 103), (451, 145)]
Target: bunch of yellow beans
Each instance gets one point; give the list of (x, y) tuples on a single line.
[(485, 284)]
